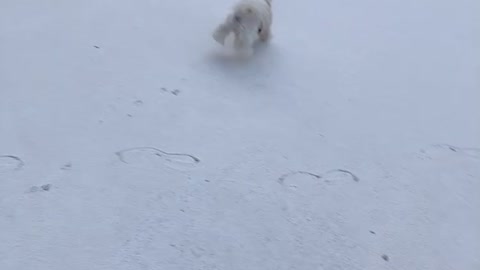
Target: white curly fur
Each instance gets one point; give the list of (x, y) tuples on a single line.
[(249, 21)]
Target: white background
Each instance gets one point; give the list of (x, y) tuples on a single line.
[(383, 92)]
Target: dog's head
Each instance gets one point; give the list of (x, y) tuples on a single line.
[(245, 14)]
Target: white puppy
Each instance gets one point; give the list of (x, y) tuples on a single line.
[(250, 21)]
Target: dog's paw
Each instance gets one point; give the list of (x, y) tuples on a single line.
[(219, 37), (245, 52)]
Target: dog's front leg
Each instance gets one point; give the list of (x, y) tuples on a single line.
[(240, 40), (222, 31), (243, 42)]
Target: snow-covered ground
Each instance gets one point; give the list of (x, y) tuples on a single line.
[(127, 141)]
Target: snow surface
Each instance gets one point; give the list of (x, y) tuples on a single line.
[(129, 141)]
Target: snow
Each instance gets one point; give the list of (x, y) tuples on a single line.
[(129, 141)]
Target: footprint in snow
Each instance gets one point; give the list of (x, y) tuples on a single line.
[(339, 174), (436, 150), (153, 157), (174, 92), (291, 179), (10, 163), (45, 187)]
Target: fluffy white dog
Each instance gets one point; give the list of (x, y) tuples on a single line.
[(250, 21)]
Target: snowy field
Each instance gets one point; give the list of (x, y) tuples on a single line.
[(128, 141)]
